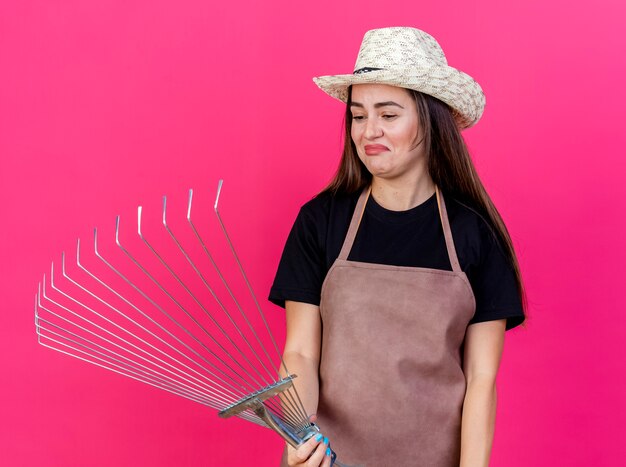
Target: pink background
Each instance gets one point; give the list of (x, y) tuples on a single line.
[(107, 105)]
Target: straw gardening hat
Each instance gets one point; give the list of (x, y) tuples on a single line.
[(412, 59)]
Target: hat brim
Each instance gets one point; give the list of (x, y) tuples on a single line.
[(455, 88)]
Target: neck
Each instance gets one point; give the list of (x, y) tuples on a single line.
[(400, 195)]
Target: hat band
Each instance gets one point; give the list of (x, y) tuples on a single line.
[(365, 70)]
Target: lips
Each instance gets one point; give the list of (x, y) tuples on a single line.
[(375, 149)]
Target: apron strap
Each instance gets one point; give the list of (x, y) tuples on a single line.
[(447, 232), (354, 223)]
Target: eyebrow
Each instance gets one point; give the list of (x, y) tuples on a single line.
[(378, 104)]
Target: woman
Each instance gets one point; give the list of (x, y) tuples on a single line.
[(400, 278)]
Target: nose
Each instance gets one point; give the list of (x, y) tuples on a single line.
[(373, 129)]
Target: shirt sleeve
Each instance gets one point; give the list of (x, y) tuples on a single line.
[(301, 269), (494, 284)]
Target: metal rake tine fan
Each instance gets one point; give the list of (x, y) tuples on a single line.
[(156, 307)]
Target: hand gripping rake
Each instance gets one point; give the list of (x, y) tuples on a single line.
[(169, 316)]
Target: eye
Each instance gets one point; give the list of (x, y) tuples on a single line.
[(358, 118), (389, 116)]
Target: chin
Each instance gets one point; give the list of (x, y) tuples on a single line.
[(376, 169), (380, 172)]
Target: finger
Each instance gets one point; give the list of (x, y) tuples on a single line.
[(303, 452), (318, 455), (291, 456), (327, 457)]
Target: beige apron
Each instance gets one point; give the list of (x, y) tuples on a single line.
[(391, 378)]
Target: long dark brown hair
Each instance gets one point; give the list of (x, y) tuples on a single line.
[(449, 165)]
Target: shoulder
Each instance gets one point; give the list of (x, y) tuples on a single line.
[(325, 203), (310, 247), (469, 227), (326, 209), (478, 246)]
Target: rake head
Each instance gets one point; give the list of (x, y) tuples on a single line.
[(173, 308)]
